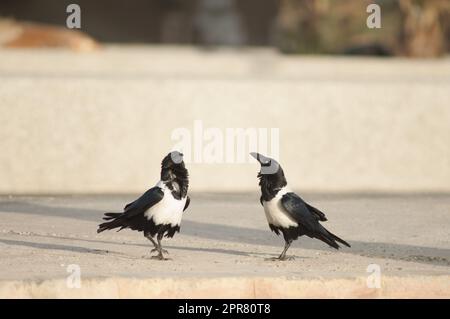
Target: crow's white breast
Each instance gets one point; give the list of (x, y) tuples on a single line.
[(167, 211), (276, 214)]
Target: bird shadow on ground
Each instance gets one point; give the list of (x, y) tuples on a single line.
[(244, 235), (104, 252), (50, 246), (69, 248), (80, 249)]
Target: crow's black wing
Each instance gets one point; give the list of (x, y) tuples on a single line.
[(309, 220), (188, 201), (147, 200), (133, 212), (320, 215), (297, 209)]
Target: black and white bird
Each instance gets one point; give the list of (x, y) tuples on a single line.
[(159, 210), (286, 212)]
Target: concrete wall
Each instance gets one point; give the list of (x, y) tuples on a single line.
[(101, 122)]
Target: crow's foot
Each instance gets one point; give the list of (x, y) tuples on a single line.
[(162, 250), (159, 257), (286, 258), (280, 258)]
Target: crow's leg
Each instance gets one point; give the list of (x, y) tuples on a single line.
[(286, 247), (159, 238), (160, 249), (283, 254), (149, 237)]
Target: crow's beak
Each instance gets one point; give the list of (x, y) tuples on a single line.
[(260, 158), (256, 156), (268, 165)]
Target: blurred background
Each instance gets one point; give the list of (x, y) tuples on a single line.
[(92, 110), (410, 27)]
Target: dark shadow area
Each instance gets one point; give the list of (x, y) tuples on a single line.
[(212, 250), (409, 28), (51, 246), (427, 255), (79, 249), (226, 22)]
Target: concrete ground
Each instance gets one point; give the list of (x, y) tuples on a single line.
[(226, 236)]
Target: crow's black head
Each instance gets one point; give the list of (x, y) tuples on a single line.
[(271, 176), (174, 173), (173, 160)]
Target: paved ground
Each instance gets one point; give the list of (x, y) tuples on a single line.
[(225, 236)]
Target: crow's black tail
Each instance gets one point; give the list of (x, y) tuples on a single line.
[(115, 221), (340, 240), (330, 238)]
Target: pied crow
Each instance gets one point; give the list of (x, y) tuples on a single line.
[(159, 210), (286, 212)]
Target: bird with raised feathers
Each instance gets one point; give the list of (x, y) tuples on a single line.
[(158, 212), (286, 212)]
